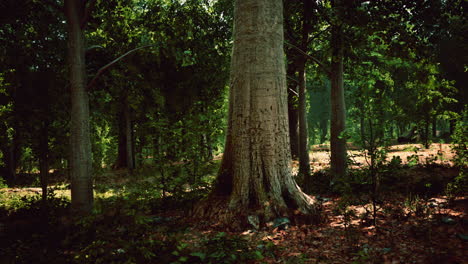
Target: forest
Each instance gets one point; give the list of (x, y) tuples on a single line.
[(233, 131)]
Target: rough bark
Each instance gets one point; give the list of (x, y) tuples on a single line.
[(255, 177), (80, 157), (338, 110)]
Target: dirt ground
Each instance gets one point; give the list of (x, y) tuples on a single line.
[(437, 153)]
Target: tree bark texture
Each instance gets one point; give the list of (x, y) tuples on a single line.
[(255, 176), (338, 110), (81, 167)]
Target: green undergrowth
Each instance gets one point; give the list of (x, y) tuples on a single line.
[(132, 222), (122, 229)]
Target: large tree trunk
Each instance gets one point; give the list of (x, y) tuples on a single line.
[(338, 111), (255, 176), (81, 167)]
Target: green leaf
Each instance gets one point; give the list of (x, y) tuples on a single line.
[(201, 255), (258, 255)]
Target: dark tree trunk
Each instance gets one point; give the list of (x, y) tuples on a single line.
[(293, 114), (338, 110), (80, 158), (44, 159), (11, 151), (125, 145), (304, 161)]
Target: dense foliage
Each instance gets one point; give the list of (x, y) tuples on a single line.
[(157, 76)]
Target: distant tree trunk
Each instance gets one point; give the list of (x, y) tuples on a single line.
[(323, 130), (207, 147), (255, 177), (452, 125), (80, 159), (11, 152), (338, 110), (11, 164), (304, 161), (426, 131), (139, 148), (125, 145), (44, 159), (125, 155)]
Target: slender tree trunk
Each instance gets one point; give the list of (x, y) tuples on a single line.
[(304, 161), (80, 159), (293, 114), (13, 154), (125, 145), (139, 155), (323, 130), (255, 177), (11, 165), (338, 110), (44, 159), (131, 141)]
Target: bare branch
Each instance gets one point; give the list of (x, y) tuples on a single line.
[(105, 67), (320, 63), (292, 79)]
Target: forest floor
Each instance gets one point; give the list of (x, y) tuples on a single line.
[(417, 220)]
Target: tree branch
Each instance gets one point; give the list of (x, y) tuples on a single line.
[(105, 67), (320, 63)]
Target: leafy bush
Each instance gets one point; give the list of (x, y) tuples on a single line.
[(460, 139)]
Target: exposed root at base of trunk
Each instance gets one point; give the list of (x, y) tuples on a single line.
[(215, 212)]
